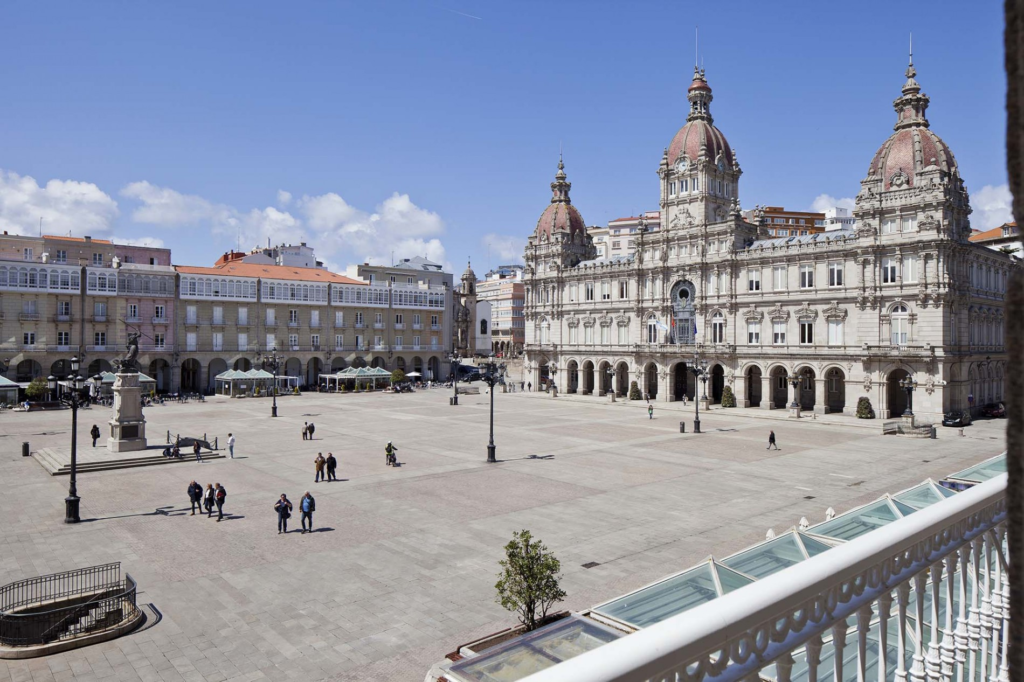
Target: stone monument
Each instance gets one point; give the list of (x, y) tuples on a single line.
[(128, 425)]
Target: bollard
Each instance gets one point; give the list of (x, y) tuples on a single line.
[(961, 432), (24, 449), (216, 443), (682, 427)]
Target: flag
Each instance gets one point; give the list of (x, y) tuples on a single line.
[(660, 325), (695, 328)]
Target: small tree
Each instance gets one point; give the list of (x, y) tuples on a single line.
[(634, 391), (398, 376), (37, 388), (864, 409), (728, 397), (528, 582)]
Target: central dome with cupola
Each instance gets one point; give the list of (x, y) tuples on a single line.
[(699, 137)]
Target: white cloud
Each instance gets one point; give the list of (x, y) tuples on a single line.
[(170, 208), (993, 206), (80, 208), (283, 198), (151, 242), (506, 249), (822, 202)]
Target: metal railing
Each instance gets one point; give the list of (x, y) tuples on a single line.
[(906, 576), (60, 606)]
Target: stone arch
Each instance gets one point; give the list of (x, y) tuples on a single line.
[(433, 368), (717, 383), (314, 368), (835, 389), (29, 369), (754, 381), (896, 397), (807, 390), (60, 369), (338, 364), (98, 367), (604, 380), (359, 361), (242, 364), (572, 376), (587, 378), (650, 379), (376, 362), (293, 367), (160, 372), (191, 371), (622, 378), (217, 365), (399, 362), (417, 364), (779, 386)]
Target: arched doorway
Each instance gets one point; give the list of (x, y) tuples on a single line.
[(376, 362), (29, 370), (682, 298), (293, 367), (190, 372), (780, 388), (60, 369), (242, 365), (651, 380), (572, 377), (160, 372), (717, 384), (399, 363), (417, 365), (358, 361), (807, 388), (98, 367), (680, 373), (622, 379), (588, 378), (835, 390), (217, 366), (754, 386), (897, 396), (314, 368), (543, 374), (604, 379), (337, 364), (433, 369)]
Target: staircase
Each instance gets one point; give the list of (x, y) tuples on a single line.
[(58, 463)]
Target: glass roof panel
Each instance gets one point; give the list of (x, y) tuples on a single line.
[(731, 580), (904, 509), (813, 547), (767, 558), (855, 523), (536, 651), (984, 471), (663, 600), (920, 497), (946, 492)]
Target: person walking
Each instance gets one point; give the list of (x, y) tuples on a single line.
[(95, 433), (231, 445), (308, 506), (208, 500), (318, 463), (529, 385), (219, 496), (305, 430), (650, 411), (389, 454), (311, 429), (332, 465), (771, 441), (196, 447), (284, 510), (195, 496)]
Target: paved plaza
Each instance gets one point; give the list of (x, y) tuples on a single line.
[(402, 567)]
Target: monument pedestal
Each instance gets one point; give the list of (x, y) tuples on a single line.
[(128, 425)]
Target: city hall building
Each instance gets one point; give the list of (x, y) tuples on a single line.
[(849, 312)]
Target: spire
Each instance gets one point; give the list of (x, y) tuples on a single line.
[(911, 106), (699, 94), (560, 187)]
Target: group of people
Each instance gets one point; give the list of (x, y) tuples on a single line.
[(284, 507), (325, 467), (307, 430), (175, 451), (213, 496)]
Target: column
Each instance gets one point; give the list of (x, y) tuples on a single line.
[(766, 393), (820, 396)]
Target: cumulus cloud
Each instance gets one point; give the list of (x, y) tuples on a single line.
[(506, 249), (283, 198), (80, 208), (822, 202), (170, 208), (993, 206), (151, 242)]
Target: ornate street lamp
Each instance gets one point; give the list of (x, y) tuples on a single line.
[(73, 399), (908, 384), (552, 372), (494, 373), (700, 371), (611, 382), (272, 360), (794, 381), (455, 361)]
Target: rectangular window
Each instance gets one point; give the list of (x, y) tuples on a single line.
[(606, 333), (100, 338), (416, 321), (243, 316), (218, 340), (378, 342), (623, 289), (97, 259), (589, 291), (779, 278), (433, 342), (359, 319), (753, 333), (399, 342), (293, 317), (415, 343), (63, 338), (835, 332), (61, 257), (64, 308), (753, 280), (158, 341), (190, 314), (572, 293), (99, 310), (433, 322), (806, 276), (359, 342), (243, 342), (27, 255), (606, 291), (28, 307), (888, 271), (573, 335), (271, 342), (889, 226), (718, 331), (314, 341), (314, 318), (835, 274), (218, 314), (399, 319), (159, 311), (910, 268), (29, 338), (190, 341), (293, 341), (806, 333), (779, 333), (271, 316), (623, 334), (908, 223), (378, 319), (339, 318), (588, 335)]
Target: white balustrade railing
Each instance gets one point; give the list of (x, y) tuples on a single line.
[(947, 629)]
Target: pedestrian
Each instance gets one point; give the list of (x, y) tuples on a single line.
[(529, 385), (522, 386), (389, 454), (305, 430), (231, 445), (220, 496), (771, 441), (312, 428), (283, 507), (95, 433), (332, 465), (318, 463), (308, 506), (208, 500), (176, 452), (195, 496), (196, 447), (650, 411)]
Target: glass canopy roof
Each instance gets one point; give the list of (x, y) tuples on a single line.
[(775, 555), (979, 473)]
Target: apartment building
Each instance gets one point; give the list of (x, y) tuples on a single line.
[(778, 222), (503, 288)]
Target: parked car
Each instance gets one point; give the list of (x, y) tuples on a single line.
[(957, 418), (993, 410)]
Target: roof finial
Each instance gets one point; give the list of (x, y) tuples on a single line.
[(911, 48)]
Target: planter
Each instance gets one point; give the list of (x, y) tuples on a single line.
[(500, 637)]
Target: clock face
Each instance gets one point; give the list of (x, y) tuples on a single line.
[(682, 165), (721, 165)]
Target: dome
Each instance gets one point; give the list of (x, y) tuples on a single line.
[(560, 215), (699, 131)]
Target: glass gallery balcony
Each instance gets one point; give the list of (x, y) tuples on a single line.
[(811, 604)]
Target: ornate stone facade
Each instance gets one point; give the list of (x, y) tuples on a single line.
[(851, 311)]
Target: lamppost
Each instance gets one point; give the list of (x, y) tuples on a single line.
[(494, 373), (455, 361), (73, 399), (908, 384), (272, 360), (700, 371), (552, 372), (611, 383), (794, 381)]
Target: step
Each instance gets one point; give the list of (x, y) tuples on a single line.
[(54, 463)]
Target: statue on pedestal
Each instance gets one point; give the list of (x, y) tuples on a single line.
[(128, 363)]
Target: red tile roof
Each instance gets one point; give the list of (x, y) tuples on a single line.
[(77, 239), (283, 272)]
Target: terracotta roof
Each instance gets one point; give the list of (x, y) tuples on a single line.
[(283, 272), (694, 135), (994, 233), (77, 239)]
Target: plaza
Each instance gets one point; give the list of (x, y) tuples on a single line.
[(402, 567)]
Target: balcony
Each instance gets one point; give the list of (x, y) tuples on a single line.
[(270, 323), (242, 322), (28, 317), (293, 323), (99, 318), (417, 326), (62, 318), (435, 327), (217, 322), (314, 325), (134, 319), (192, 321), (360, 325), (31, 347), (59, 348), (159, 320), (399, 325), (378, 325), (398, 346), (154, 348), (315, 347), (96, 349), (899, 581), (295, 347), (416, 346)]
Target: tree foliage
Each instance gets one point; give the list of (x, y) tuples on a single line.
[(864, 409), (634, 391), (397, 376), (728, 397), (528, 582), (37, 388)]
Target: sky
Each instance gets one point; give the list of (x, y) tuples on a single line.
[(380, 130)]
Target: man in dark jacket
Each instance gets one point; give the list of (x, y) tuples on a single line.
[(312, 428), (308, 506), (195, 495), (196, 447), (219, 496), (332, 464), (283, 507), (95, 433)]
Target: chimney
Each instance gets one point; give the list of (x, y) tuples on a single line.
[(88, 238)]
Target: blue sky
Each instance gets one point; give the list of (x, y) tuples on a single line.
[(433, 128)]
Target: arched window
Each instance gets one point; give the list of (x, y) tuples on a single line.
[(483, 327), (717, 328), (652, 330), (900, 324)]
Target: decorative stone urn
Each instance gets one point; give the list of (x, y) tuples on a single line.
[(128, 425)]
